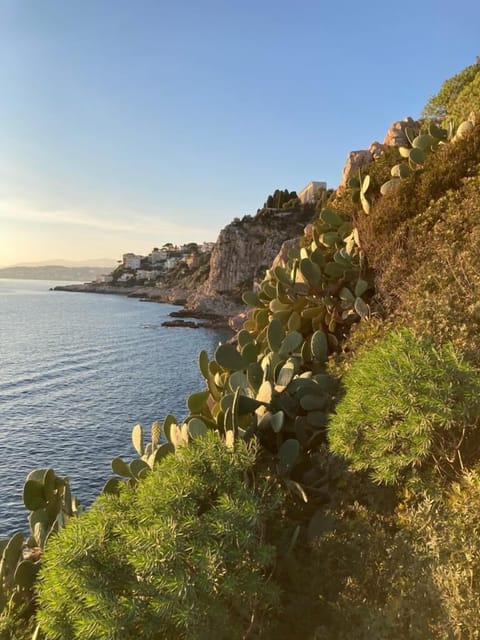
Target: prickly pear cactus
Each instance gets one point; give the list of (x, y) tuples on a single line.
[(149, 454), (421, 145), (273, 384), (51, 504)]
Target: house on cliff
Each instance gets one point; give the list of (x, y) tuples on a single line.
[(307, 194)]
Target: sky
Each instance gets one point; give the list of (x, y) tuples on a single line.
[(126, 124)]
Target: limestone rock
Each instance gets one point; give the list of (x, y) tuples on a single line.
[(355, 161), (244, 249), (376, 149), (396, 136), (281, 259)]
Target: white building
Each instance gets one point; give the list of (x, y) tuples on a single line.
[(307, 194), (157, 256), (131, 261), (147, 274), (171, 262)]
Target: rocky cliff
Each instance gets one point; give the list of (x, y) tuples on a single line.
[(245, 248), (395, 137), (243, 251)]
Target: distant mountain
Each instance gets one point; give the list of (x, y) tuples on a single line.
[(54, 272), (103, 263)]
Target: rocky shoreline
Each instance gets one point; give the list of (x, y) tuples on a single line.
[(209, 319)]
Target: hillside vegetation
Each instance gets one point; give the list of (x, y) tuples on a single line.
[(325, 482)]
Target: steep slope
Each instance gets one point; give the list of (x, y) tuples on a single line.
[(243, 251)]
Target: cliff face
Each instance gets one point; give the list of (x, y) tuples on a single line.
[(244, 249)]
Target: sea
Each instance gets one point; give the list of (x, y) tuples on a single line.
[(77, 372)]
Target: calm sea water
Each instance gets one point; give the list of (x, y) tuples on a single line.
[(77, 371)]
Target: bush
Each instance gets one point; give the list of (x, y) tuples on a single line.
[(377, 587), (184, 555), (454, 97), (440, 294), (13, 627), (450, 532), (385, 580), (386, 231), (408, 406)]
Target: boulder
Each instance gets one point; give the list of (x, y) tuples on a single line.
[(355, 161), (396, 136), (376, 149)]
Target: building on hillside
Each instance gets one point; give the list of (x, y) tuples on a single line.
[(157, 256), (147, 274), (131, 261), (171, 262), (307, 194)]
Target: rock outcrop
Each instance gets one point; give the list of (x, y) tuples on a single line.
[(355, 161), (244, 249), (376, 149), (396, 137)]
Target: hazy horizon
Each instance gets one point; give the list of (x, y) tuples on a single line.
[(125, 125), (61, 262)]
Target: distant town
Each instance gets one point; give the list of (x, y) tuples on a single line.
[(145, 270)]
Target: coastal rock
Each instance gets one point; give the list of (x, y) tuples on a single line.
[(376, 149), (244, 250), (188, 324), (92, 287), (396, 136), (355, 161), (281, 259), (236, 322)]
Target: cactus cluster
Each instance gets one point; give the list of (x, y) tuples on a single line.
[(420, 146), (359, 188), (51, 504), (17, 576), (149, 454), (412, 154), (273, 384), (166, 437)]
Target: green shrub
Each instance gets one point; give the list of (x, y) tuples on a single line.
[(184, 555), (386, 231), (13, 627), (468, 100), (407, 406), (450, 532), (377, 587), (413, 576), (440, 294), (454, 97)]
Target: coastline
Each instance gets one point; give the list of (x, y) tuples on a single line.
[(181, 318)]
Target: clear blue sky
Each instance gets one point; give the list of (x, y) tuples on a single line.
[(128, 124)]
